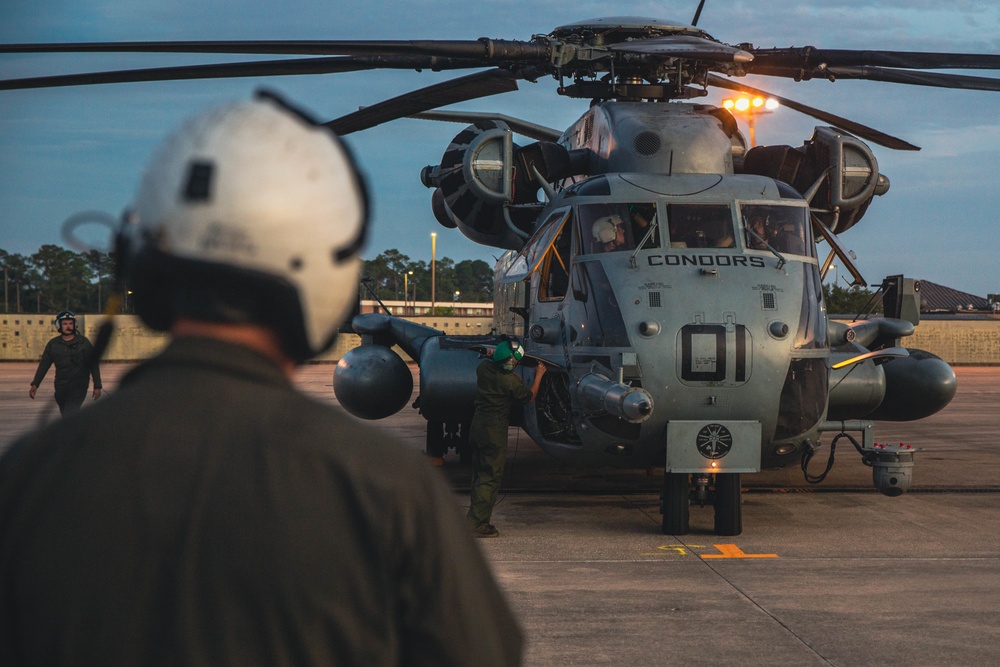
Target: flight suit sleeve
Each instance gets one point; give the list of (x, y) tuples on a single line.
[(519, 391), (95, 370), (43, 365), (453, 611)]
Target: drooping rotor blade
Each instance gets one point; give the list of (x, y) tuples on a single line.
[(287, 67), (485, 50), (685, 46), (863, 131), (811, 59), (470, 87), (522, 127)]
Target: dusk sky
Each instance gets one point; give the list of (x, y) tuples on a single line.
[(63, 151)]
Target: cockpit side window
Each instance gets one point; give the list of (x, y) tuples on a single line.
[(783, 228), (700, 226), (554, 275), (534, 252)]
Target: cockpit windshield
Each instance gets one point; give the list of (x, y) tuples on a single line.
[(781, 228), (700, 226), (617, 227)]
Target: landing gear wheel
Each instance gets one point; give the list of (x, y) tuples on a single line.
[(435, 443), (464, 449), (728, 511), (676, 503)]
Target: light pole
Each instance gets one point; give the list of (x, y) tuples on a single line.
[(751, 108), (434, 237), (406, 290)]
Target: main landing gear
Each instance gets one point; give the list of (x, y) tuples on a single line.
[(721, 490), (443, 436)]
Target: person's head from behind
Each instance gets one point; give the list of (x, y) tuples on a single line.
[(249, 214)]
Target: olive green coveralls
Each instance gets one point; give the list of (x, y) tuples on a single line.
[(499, 390)]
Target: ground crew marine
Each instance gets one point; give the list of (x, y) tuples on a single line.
[(499, 389), (70, 351)]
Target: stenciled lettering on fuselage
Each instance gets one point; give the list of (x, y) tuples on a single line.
[(706, 260)]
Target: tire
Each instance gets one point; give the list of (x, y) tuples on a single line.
[(728, 510), (464, 448), (435, 445), (676, 503)]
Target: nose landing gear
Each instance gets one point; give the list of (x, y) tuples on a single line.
[(721, 490)]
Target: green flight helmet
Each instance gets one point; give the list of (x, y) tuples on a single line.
[(508, 353)]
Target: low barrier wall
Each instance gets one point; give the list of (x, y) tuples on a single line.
[(959, 341), (23, 336)]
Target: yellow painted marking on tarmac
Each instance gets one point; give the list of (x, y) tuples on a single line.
[(733, 551), (673, 550)]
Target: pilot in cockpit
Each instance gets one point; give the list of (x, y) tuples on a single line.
[(608, 233)]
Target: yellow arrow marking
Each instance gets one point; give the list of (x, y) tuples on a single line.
[(733, 551), (672, 549)]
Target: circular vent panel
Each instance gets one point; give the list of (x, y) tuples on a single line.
[(646, 143)]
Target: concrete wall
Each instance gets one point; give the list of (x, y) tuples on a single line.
[(23, 336), (959, 342), (971, 342)]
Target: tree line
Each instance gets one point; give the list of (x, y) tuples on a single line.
[(391, 272), (55, 279)]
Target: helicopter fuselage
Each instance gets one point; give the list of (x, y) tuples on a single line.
[(709, 319)]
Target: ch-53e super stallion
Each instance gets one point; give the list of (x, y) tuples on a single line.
[(668, 274)]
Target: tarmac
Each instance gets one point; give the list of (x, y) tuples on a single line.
[(832, 574)]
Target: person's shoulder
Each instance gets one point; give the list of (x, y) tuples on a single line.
[(39, 443), (332, 430)]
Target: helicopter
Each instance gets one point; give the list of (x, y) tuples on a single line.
[(668, 274)]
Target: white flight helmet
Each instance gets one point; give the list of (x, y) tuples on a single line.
[(606, 228), (257, 197)]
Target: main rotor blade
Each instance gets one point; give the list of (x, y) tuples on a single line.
[(287, 67), (470, 87), (810, 58), (484, 50), (913, 78), (863, 131), (519, 125), (935, 79), (685, 46)]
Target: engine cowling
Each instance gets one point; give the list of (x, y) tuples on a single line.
[(484, 178), (842, 165)]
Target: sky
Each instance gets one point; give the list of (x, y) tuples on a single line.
[(80, 149)]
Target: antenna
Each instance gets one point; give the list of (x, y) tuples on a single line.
[(697, 13)]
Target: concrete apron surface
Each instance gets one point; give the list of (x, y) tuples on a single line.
[(829, 574)]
